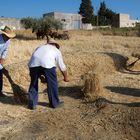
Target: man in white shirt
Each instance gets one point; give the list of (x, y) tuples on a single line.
[(5, 35), (43, 61)]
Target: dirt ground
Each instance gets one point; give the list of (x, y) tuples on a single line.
[(114, 115)]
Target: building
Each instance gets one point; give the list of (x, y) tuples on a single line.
[(123, 20), (11, 22), (72, 21), (69, 21)]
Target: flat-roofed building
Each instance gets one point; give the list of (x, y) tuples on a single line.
[(70, 21), (123, 20)]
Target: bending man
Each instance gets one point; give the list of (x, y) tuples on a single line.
[(43, 61)]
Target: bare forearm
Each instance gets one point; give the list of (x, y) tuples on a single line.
[(1, 61), (65, 75)]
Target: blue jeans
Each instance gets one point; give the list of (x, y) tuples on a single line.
[(52, 85)]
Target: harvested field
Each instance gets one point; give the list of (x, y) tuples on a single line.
[(102, 99)]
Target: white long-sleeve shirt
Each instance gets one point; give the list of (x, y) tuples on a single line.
[(3, 48), (47, 56)]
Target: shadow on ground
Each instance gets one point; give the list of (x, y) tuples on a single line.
[(102, 102), (73, 91), (120, 63), (119, 60), (8, 100), (76, 93), (19, 94), (124, 90)]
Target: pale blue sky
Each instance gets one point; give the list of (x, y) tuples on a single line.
[(35, 8)]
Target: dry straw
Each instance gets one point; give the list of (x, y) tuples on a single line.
[(92, 86)]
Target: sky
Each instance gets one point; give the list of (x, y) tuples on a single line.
[(36, 8)]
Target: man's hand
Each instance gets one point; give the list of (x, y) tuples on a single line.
[(65, 76), (1, 61), (42, 79), (66, 79)]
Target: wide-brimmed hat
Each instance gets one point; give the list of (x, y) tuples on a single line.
[(8, 32), (52, 41)]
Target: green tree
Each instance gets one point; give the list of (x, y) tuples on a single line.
[(106, 16), (28, 22), (102, 14), (41, 23), (86, 11), (110, 17), (50, 22)]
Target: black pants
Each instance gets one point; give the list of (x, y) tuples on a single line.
[(1, 80), (52, 87)]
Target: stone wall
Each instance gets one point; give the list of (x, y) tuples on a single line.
[(14, 23)]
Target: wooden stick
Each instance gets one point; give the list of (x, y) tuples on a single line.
[(133, 63)]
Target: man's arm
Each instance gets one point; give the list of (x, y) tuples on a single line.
[(62, 66), (1, 60), (6, 46), (64, 73)]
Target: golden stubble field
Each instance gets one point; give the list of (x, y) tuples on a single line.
[(115, 114)]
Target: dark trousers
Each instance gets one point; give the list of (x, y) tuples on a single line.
[(1, 80), (52, 86)]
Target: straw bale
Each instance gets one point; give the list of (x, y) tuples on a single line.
[(92, 86)]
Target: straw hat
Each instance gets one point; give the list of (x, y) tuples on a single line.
[(52, 41), (8, 32)]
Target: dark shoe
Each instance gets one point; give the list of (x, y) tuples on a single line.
[(32, 107), (2, 95), (61, 104)]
